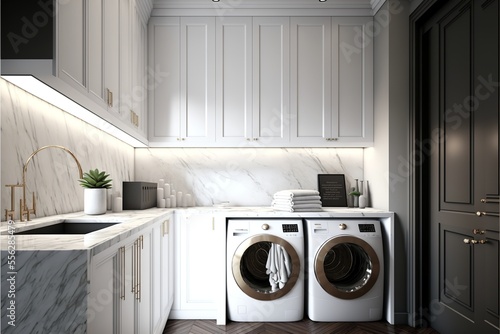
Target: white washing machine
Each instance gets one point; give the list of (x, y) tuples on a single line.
[(345, 265), (265, 270)]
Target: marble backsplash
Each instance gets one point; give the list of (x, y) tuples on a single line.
[(246, 176), (241, 176), (29, 123)]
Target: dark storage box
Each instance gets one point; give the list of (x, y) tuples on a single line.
[(139, 195)]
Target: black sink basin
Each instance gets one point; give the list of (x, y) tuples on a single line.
[(66, 227)]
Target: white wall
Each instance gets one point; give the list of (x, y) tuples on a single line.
[(386, 164)]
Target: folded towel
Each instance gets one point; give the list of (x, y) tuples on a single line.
[(299, 206), (294, 202), (297, 193), (309, 207), (297, 198), (297, 210)]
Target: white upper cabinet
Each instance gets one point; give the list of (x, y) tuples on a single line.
[(71, 43), (352, 97), (311, 74), (279, 82), (234, 80), (92, 61), (331, 82), (108, 52), (271, 61), (182, 104)]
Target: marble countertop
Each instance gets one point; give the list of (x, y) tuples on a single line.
[(131, 222)]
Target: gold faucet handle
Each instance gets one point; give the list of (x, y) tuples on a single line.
[(9, 213)]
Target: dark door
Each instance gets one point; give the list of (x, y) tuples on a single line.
[(460, 100)]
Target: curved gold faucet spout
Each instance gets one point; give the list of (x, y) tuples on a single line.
[(24, 207)]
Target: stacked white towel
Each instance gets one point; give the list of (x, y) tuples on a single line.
[(296, 200)]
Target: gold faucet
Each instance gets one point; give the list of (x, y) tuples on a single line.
[(24, 209)]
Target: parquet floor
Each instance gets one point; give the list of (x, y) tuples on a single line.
[(305, 326)]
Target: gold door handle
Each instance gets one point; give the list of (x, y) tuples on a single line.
[(478, 231)]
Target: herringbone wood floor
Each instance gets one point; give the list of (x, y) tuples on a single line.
[(305, 326)]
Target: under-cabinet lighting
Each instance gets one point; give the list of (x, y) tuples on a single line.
[(37, 88)]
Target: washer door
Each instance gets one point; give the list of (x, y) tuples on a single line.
[(249, 267), (346, 267)]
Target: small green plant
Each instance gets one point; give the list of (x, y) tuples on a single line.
[(95, 179), (354, 193)]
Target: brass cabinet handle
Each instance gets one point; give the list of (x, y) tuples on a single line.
[(482, 213), (141, 243), (122, 272), (473, 241), (134, 251), (478, 231)]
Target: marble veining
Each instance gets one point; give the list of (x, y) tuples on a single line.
[(29, 123), (49, 291), (244, 176)]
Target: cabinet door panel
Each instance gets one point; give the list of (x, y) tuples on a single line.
[(102, 296), (271, 113), (198, 82), (352, 97), (112, 51), (234, 90), (165, 61), (71, 42), (311, 79), (95, 50)]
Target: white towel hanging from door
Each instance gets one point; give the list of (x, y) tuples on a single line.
[(278, 266)]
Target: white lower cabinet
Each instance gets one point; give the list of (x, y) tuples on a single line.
[(163, 274), (199, 267), (129, 283)]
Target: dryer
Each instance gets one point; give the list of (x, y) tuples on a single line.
[(255, 291), (345, 265)]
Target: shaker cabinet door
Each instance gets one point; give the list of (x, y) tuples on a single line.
[(310, 85), (182, 105), (352, 97)]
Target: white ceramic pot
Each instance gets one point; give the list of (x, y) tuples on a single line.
[(363, 201), (94, 201)]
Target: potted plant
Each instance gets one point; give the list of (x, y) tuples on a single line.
[(95, 184)]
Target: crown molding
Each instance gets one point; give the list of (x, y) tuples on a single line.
[(271, 7)]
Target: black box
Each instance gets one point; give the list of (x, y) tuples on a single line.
[(139, 195)]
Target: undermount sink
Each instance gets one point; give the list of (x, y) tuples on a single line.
[(69, 227)]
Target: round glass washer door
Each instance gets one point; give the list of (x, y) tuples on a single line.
[(249, 267), (346, 267)]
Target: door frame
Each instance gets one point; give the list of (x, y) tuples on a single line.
[(418, 159)]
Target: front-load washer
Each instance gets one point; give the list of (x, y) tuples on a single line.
[(265, 270), (345, 263)]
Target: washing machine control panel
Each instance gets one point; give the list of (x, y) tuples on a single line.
[(366, 228), (290, 228)]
